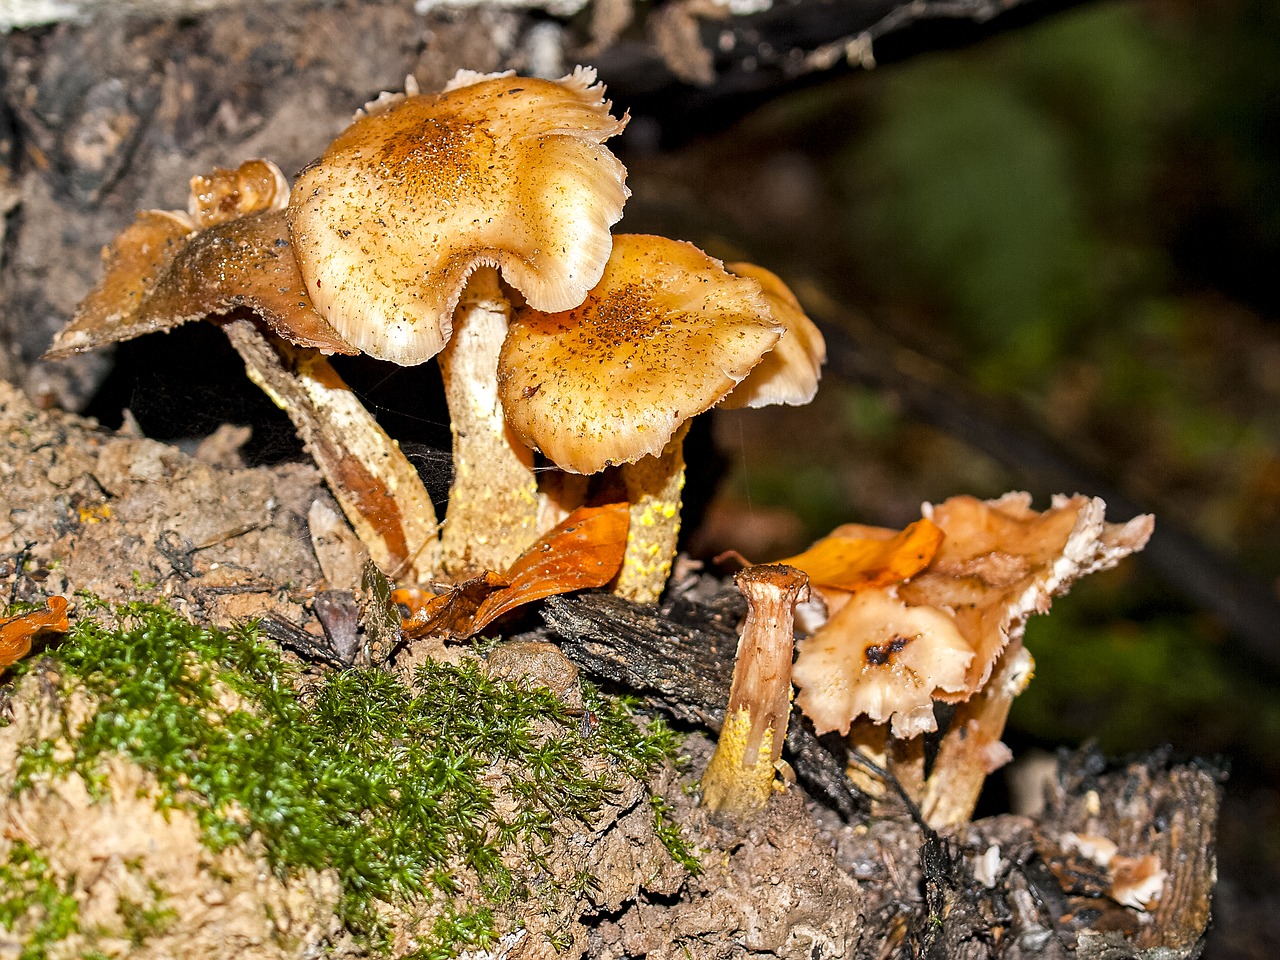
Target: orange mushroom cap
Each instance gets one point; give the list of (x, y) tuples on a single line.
[(663, 336), (416, 194)]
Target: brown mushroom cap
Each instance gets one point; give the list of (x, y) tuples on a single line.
[(790, 372), (1002, 561), (663, 336), (133, 263), (232, 249), (413, 197), (245, 262)]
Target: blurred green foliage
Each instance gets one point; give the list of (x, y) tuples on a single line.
[(1082, 214)]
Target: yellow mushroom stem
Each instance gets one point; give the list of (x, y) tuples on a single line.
[(740, 777), (378, 489), (653, 487), (493, 502), (971, 749)]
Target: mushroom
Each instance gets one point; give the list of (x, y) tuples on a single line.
[(789, 373), (232, 250), (999, 562), (421, 190), (423, 193), (664, 336), (740, 776), (879, 658)]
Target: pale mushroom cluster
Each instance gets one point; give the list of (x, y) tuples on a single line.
[(471, 226), (911, 621)]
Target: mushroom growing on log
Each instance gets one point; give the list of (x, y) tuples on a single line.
[(665, 335), (952, 633)]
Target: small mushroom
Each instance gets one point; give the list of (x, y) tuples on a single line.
[(665, 335), (230, 249), (740, 776)]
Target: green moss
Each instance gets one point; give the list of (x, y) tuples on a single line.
[(672, 837), (143, 921), (28, 891), (383, 781)]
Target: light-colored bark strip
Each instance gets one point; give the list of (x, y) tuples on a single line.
[(379, 490)]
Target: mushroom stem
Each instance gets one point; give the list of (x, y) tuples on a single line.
[(971, 748), (493, 502), (559, 494), (739, 778), (378, 489), (653, 489)]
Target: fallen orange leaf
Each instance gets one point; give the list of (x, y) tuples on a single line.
[(847, 561), (17, 633), (451, 612), (585, 550)]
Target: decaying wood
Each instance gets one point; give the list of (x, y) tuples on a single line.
[(1032, 898), (682, 656)]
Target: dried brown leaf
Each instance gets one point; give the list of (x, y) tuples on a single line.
[(583, 551)]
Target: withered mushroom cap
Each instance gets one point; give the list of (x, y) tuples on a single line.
[(133, 263), (246, 262), (414, 196), (877, 656), (232, 249), (1002, 561), (664, 335), (789, 373)]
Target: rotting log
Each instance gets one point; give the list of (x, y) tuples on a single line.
[(1003, 886)]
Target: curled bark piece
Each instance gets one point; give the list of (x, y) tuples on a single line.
[(378, 489)]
